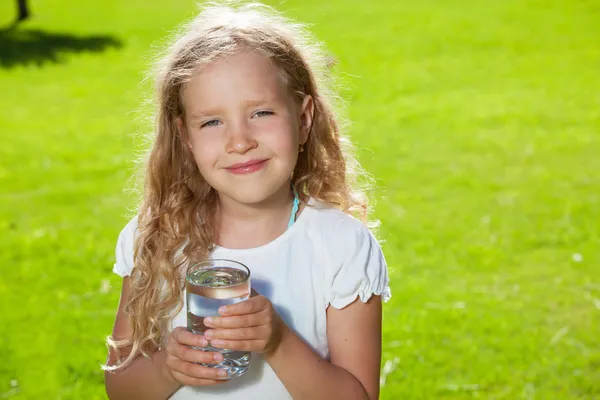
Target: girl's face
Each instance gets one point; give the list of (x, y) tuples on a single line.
[(244, 127)]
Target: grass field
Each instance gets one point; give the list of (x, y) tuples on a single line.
[(479, 119)]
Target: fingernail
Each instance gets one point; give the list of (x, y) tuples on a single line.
[(218, 357), (208, 334), (216, 342), (207, 320), (202, 342), (222, 373), (222, 310)]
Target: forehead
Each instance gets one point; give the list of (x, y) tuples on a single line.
[(244, 75)]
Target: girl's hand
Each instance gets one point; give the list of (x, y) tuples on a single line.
[(251, 325), (181, 359)]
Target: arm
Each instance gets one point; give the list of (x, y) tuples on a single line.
[(354, 336), (158, 377), (144, 378)]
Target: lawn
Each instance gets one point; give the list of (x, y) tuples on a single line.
[(480, 121)]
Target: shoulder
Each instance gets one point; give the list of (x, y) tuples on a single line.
[(125, 248), (354, 264), (336, 226), (129, 231), (342, 237), (131, 226)]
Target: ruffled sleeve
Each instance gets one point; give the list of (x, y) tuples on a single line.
[(124, 251), (357, 265)]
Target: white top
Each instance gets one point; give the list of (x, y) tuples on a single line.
[(326, 258)]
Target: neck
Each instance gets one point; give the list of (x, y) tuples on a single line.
[(251, 225)]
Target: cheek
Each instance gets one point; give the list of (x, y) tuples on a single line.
[(283, 138), (204, 150)]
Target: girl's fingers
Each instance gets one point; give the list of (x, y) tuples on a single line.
[(190, 355), (255, 333), (241, 345), (239, 321), (189, 372), (250, 306), (183, 336)]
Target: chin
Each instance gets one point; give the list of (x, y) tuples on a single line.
[(252, 189), (250, 194)]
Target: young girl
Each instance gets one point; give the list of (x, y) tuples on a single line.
[(249, 164)]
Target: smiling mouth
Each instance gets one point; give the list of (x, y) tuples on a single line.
[(247, 167)]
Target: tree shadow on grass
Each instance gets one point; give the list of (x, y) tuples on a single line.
[(23, 47)]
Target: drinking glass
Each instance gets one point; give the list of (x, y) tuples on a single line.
[(209, 285)]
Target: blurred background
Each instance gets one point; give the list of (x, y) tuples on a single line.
[(479, 120)]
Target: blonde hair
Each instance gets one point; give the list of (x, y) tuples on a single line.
[(176, 218)]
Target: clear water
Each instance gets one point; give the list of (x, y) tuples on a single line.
[(207, 290)]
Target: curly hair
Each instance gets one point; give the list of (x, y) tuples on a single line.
[(176, 217)]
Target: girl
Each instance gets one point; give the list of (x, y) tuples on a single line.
[(249, 164)]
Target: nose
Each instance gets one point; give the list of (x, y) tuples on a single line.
[(240, 139)]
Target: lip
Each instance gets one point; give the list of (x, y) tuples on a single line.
[(247, 167)]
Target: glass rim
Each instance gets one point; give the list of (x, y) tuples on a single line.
[(212, 261)]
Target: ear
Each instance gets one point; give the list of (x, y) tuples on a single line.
[(307, 111), (183, 131)]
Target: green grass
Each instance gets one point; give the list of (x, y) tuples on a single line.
[(480, 121)]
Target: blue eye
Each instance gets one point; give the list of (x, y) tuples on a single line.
[(263, 113), (212, 122)]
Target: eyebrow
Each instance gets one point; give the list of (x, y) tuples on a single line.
[(200, 114)]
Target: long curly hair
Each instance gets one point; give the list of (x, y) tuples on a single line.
[(176, 222)]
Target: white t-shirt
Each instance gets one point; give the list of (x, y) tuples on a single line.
[(325, 258)]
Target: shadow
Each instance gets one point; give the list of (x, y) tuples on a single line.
[(23, 47), (265, 288)]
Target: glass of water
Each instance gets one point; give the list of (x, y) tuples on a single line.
[(209, 285)]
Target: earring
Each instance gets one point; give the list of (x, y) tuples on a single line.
[(301, 148)]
